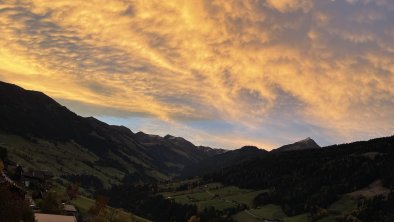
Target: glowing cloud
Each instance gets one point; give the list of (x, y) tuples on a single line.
[(325, 64)]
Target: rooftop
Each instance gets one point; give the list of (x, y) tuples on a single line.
[(53, 218), (69, 208)]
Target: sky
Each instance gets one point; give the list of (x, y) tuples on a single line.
[(222, 73)]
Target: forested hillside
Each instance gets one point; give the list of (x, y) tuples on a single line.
[(305, 181)]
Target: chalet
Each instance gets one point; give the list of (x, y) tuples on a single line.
[(54, 218), (33, 177)]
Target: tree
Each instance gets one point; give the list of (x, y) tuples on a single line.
[(1, 165), (14, 208), (112, 214), (72, 191), (50, 204), (3, 153), (100, 206), (122, 217)]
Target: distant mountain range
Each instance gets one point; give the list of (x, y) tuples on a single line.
[(244, 154), (42, 134), (222, 160)]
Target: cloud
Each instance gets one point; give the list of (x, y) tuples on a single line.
[(290, 5), (232, 61)]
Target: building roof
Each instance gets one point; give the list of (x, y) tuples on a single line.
[(69, 208), (53, 218)]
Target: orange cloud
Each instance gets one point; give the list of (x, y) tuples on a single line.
[(229, 60)]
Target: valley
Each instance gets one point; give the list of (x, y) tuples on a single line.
[(197, 111), (170, 179), (228, 198)]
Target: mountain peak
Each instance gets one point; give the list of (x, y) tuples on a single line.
[(304, 144), (245, 148), (307, 140), (170, 137)]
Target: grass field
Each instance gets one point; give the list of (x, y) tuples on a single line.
[(65, 158), (222, 197), (214, 195), (298, 218), (84, 204), (269, 211), (230, 196), (59, 158), (344, 205)]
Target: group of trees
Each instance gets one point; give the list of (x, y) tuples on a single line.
[(14, 207), (51, 203), (378, 209), (144, 201), (303, 181), (86, 181), (101, 212), (299, 181), (3, 153)]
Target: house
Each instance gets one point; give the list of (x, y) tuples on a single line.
[(36, 176), (70, 210), (54, 218), (32, 178)]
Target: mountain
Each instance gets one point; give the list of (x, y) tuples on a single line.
[(223, 160), (244, 154), (211, 151), (177, 152), (302, 181), (40, 133), (305, 144)]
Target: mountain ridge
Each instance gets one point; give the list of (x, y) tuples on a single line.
[(44, 126)]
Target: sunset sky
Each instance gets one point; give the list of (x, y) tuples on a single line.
[(222, 73)]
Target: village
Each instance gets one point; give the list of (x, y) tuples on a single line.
[(34, 188), (36, 195)]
